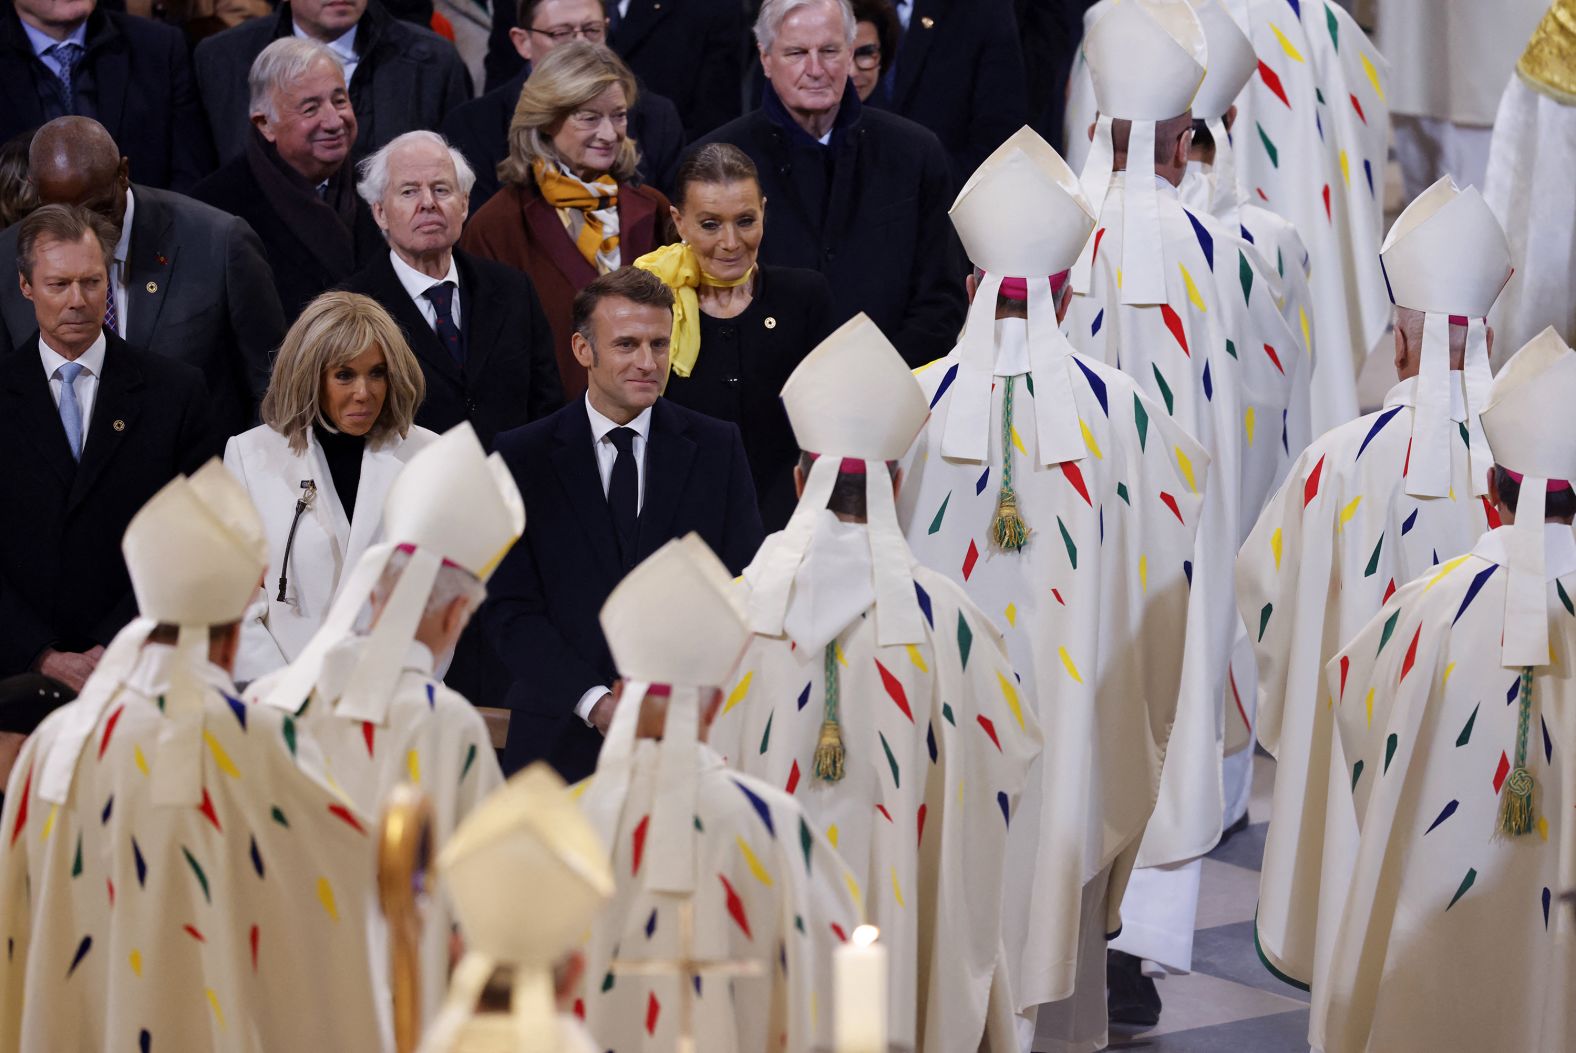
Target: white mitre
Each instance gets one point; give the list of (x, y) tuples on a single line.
[(1447, 255), (1022, 214), (451, 504), (1530, 428), (1146, 60), (195, 553), (1231, 63), (674, 625), (854, 405), (526, 874)]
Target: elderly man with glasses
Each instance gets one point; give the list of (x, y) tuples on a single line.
[(857, 193), (480, 129)]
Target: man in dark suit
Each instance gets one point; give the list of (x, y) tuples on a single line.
[(60, 57), (294, 183), (686, 50), (476, 326), (857, 193), (90, 428), (607, 481), (189, 282), (480, 128), (401, 76), (959, 72)]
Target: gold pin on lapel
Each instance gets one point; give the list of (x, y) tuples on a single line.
[(928, 22), (153, 286), (119, 425), (771, 323)]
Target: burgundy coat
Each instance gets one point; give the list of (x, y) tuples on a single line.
[(519, 228)]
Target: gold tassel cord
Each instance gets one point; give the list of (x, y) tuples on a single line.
[(829, 754), (1009, 531), (1517, 814)]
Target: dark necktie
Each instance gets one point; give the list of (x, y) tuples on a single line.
[(623, 490), (68, 54), (442, 297)]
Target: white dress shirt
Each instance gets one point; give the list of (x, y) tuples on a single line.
[(905, 11), (42, 42), (86, 387), (623, 7), (343, 47), (416, 285), (122, 268), (606, 454)]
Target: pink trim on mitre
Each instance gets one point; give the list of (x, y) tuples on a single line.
[(1554, 484), (1018, 288), (850, 465), (408, 548)]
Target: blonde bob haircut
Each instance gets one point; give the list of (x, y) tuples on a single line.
[(335, 328), (565, 80)]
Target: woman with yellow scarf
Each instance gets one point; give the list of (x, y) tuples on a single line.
[(739, 328), (569, 209)]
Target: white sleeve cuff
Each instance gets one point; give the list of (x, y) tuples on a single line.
[(588, 702)]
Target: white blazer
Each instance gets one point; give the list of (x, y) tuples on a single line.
[(327, 544)]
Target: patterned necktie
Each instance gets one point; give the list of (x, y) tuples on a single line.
[(67, 54), (70, 408), (623, 491), (442, 297), (111, 316)]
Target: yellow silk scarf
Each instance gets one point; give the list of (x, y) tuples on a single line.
[(680, 271), (596, 202)]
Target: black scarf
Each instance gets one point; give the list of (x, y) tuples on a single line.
[(325, 225)]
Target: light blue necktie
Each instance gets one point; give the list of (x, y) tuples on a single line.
[(68, 54), (70, 408)]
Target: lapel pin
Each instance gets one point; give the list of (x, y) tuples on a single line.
[(119, 425), (928, 22), (771, 323), (153, 286), (161, 259)]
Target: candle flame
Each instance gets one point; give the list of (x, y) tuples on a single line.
[(866, 935)]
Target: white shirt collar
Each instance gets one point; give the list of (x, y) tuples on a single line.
[(1405, 394), (91, 360), (150, 676), (1559, 548), (416, 283), (343, 46), (601, 425), (42, 41), (123, 246)]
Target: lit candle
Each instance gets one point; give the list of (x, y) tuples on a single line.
[(859, 971)]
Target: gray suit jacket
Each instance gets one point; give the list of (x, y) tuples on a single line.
[(408, 78), (198, 289)]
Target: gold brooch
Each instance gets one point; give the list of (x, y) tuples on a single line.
[(119, 425), (153, 286), (928, 22), (771, 323)]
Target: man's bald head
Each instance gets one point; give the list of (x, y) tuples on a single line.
[(74, 161)]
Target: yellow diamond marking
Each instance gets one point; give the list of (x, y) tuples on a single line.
[(897, 889), (49, 822), (917, 658), (1446, 569), (1373, 76), (1275, 546), (1307, 337), (1286, 45), (136, 962), (753, 863), (1009, 691), (218, 1014), (1067, 661), (1012, 614), (1248, 420), (220, 758), (739, 691), (1017, 441), (1349, 511), (1143, 573), (831, 834), (142, 762), (325, 896), (413, 765), (1369, 702), (1346, 174), (1192, 290), (1088, 437), (1184, 463)]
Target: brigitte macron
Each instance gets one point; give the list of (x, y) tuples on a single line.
[(337, 428)]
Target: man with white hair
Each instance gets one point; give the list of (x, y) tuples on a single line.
[(174, 873), (292, 182), (858, 193), (476, 326), (373, 701)]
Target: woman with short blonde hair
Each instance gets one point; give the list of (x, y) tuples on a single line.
[(571, 207), (337, 428)]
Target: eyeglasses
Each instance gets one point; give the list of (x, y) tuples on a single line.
[(590, 120), (867, 56), (592, 31)]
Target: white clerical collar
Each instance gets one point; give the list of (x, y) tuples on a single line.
[(415, 282), (834, 584), (151, 675), (123, 246), (601, 425), (1012, 347), (91, 360), (343, 46), (1405, 394), (1162, 185), (1559, 548)]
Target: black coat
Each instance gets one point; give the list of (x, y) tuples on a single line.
[(510, 375), (408, 78), (870, 213), (299, 273), (135, 79), (688, 51), (744, 362), (544, 599), (63, 582), (1049, 32), (480, 130), (960, 73)]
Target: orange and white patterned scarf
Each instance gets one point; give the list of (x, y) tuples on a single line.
[(589, 211)]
